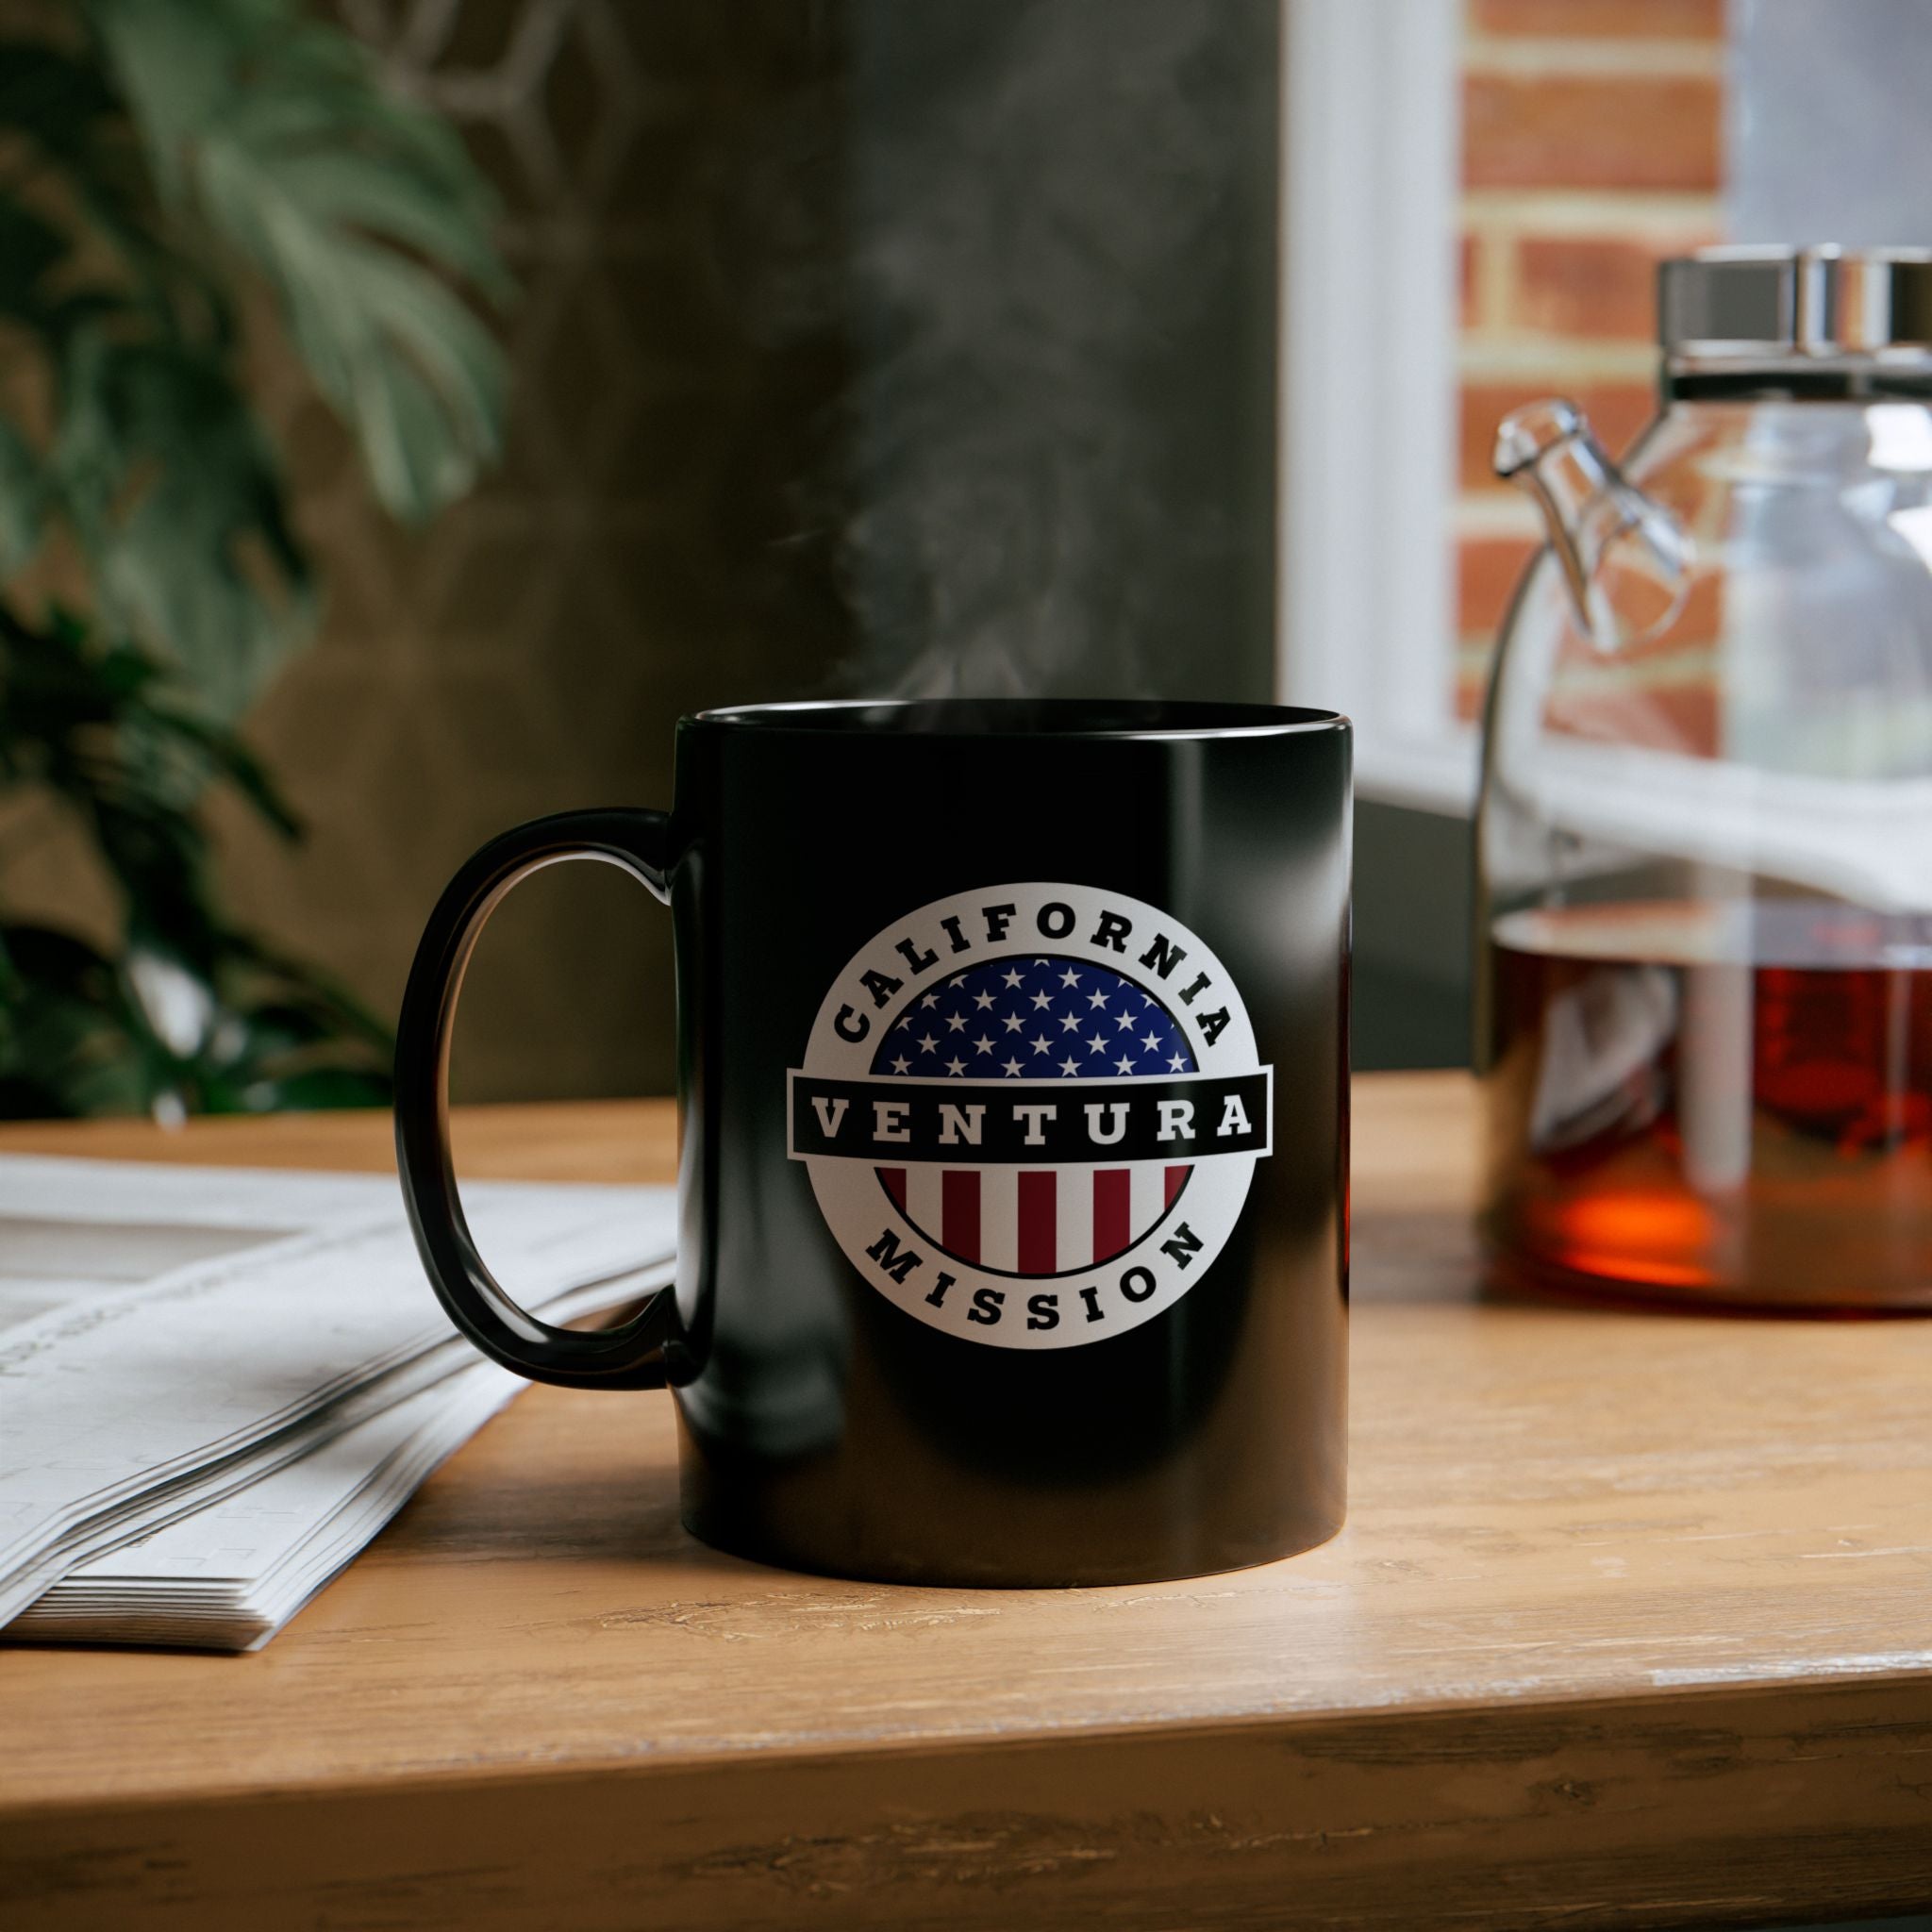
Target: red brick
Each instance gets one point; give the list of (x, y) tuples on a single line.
[(1617, 411), (1700, 623), (1676, 717), (1691, 635), (1466, 272), (1661, 19), (1573, 130), (1640, 694), (1486, 571), (1595, 287)]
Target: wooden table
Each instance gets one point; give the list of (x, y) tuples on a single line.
[(1631, 1625)]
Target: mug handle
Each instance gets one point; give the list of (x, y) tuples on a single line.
[(629, 1357)]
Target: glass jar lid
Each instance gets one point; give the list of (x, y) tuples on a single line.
[(1755, 306)]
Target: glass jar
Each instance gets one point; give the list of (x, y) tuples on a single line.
[(1705, 834)]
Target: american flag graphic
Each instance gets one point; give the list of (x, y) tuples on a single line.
[(1034, 1021)]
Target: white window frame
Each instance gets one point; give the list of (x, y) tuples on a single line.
[(1370, 309)]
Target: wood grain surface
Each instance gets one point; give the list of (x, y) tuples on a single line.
[(1630, 1626)]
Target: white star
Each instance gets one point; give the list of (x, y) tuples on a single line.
[(954, 1067), (1013, 1069), (1146, 999), (1125, 1065), (925, 999), (982, 1044), (1070, 977), (1043, 962), (927, 1045), (1068, 1024), (1125, 1019), (1038, 1045), (1152, 1041), (1040, 999), (1069, 1066), (1096, 999), (956, 1021), (1013, 1023), (982, 999), (1175, 1061), (1010, 979), (902, 1066), (1097, 1045)]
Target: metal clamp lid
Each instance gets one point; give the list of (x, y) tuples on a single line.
[(1776, 305)]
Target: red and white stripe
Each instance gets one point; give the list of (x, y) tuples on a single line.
[(1034, 1220)]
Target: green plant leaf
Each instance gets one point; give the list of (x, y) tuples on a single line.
[(53, 97), (65, 1047), (313, 1089), (157, 150), (73, 130), (351, 201), (175, 499), (23, 500), (30, 248), (228, 758)]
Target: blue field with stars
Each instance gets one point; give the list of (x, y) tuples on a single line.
[(1035, 1019)]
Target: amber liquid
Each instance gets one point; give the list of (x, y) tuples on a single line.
[(1713, 1104)]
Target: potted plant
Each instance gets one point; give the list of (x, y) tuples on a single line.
[(172, 171)]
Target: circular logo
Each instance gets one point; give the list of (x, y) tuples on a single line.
[(1031, 1113)]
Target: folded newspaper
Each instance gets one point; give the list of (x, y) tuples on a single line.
[(217, 1385)]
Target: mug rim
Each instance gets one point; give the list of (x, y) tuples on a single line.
[(1026, 718)]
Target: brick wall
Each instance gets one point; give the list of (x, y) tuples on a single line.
[(1591, 148)]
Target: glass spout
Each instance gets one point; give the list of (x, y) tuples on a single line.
[(1625, 559)]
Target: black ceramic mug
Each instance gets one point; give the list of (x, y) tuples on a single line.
[(1013, 1084)]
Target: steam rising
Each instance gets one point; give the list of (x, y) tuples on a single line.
[(1060, 423)]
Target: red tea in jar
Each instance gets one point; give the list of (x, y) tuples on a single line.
[(1713, 1103)]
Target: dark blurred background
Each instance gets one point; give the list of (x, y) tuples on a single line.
[(859, 346)]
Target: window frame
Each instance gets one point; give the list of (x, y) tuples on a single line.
[(1371, 154)]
